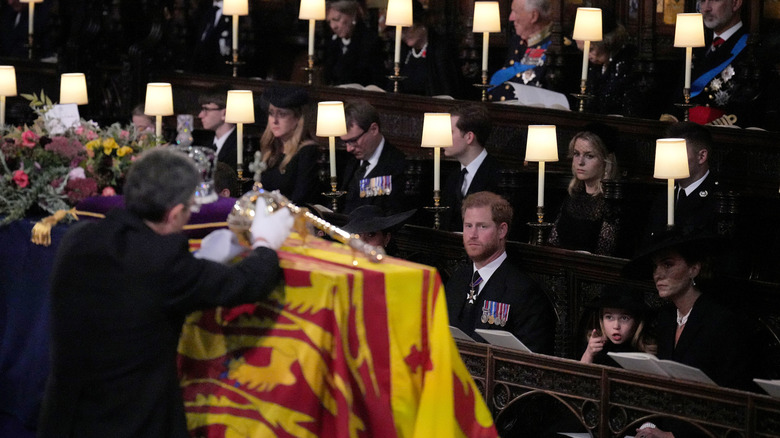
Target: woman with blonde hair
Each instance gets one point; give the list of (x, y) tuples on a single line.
[(288, 148), (586, 222)]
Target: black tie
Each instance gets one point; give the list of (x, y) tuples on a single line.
[(681, 195), (461, 178), (360, 173)]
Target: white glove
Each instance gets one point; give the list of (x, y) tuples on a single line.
[(270, 230), (220, 246)]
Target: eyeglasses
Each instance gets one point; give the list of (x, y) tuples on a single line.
[(207, 109), (352, 141)]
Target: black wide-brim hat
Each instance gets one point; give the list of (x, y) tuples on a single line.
[(699, 245), (368, 218), (621, 297), (285, 97)]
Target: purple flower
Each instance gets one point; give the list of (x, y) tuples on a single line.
[(65, 147)]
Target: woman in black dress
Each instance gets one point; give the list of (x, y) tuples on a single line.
[(288, 148), (586, 222), (354, 53)]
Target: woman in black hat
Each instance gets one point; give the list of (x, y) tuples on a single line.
[(585, 222), (698, 330), (288, 148), (621, 315)]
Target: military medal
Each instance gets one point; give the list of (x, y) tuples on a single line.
[(484, 318), (474, 287)]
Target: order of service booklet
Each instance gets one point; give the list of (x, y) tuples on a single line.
[(647, 363), (772, 387), (502, 338)]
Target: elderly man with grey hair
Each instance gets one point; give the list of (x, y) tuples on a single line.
[(527, 57), (121, 288)]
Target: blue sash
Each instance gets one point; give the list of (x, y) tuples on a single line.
[(702, 81), (508, 73)]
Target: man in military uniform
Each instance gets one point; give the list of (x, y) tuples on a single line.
[(726, 75), (526, 60)]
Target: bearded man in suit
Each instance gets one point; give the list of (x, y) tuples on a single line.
[(490, 292)]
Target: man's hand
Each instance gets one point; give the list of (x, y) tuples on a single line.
[(219, 246)]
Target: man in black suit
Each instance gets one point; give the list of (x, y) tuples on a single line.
[(212, 116), (695, 204), (121, 288), (490, 292), (212, 39), (478, 170), (375, 176), (726, 77)]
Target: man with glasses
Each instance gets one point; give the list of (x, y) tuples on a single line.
[(375, 174), (121, 289), (212, 117)]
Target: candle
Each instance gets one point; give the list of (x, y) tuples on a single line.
[(670, 202), (436, 167), (2, 110), (235, 33), (311, 36), (688, 55), (585, 51), (540, 195), (158, 126), (32, 14), (397, 56), (332, 155), (485, 41), (240, 144)]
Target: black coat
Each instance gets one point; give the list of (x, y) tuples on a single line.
[(531, 317), (119, 296), (434, 74), (391, 162), (300, 182), (486, 178), (713, 340), (695, 213), (362, 63)]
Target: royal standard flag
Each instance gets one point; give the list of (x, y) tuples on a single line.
[(346, 348)]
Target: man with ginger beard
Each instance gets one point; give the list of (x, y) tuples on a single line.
[(490, 292)]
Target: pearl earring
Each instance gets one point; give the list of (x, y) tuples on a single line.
[(693, 281)]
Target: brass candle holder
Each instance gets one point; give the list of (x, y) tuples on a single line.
[(334, 194), (539, 229), (396, 76), (235, 63), (437, 209), (484, 85), (582, 96), (687, 105), (310, 70)]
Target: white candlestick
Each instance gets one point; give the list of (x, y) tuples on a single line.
[(311, 36), (332, 155), (31, 19), (235, 32), (485, 41), (670, 202), (158, 127), (688, 56), (585, 52), (436, 167), (397, 57), (540, 197), (2, 110), (239, 144)]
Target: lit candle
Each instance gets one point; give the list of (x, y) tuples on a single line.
[(688, 55), (540, 196), (332, 155), (235, 33), (436, 167), (670, 201), (485, 41), (585, 51), (311, 36), (397, 56)]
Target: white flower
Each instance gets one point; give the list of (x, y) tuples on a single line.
[(728, 73), (715, 84), (721, 98), (76, 173)]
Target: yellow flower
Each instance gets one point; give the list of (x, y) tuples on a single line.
[(124, 150), (93, 144), (109, 144)]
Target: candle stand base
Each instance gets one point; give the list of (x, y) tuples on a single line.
[(235, 63), (30, 46), (484, 85), (582, 96), (436, 209), (241, 180), (310, 70), (396, 76), (334, 194), (539, 229), (687, 105)]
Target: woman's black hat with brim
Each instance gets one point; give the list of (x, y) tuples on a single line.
[(369, 218), (700, 245)]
